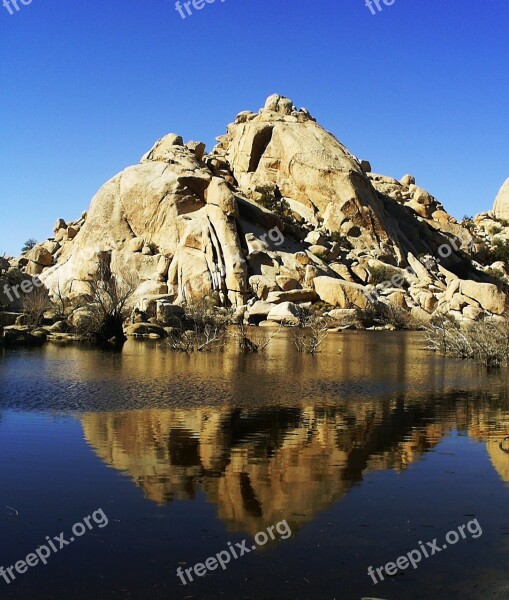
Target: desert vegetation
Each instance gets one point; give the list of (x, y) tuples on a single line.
[(28, 245), (34, 305), (106, 306), (312, 331), (205, 327), (382, 314), (271, 199), (485, 342), (202, 327)]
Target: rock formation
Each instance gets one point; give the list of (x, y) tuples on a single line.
[(278, 213), (501, 206)]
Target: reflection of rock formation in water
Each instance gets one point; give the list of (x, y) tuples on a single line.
[(261, 466), (491, 426)]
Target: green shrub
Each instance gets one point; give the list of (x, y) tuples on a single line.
[(272, 200), (500, 250), (495, 274), (15, 276), (342, 240), (468, 222), (382, 273)]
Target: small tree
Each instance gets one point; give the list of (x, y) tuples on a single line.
[(28, 245), (109, 298), (61, 297), (33, 305)]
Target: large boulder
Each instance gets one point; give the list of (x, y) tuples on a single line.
[(180, 211), (40, 256), (486, 294), (285, 147), (501, 206), (286, 313), (342, 294), (259, 312), (303, 295)]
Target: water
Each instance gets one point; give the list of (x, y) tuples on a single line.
[(364, 450)]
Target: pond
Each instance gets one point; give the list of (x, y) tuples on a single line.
[(276, 475)]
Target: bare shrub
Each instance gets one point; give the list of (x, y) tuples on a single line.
[(60, 298), (34, 304), (108, 304), (182, 341), (204, 327), (311, 333), (485, 342), (247, 344)]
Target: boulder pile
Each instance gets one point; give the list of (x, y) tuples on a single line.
[(279, 216)]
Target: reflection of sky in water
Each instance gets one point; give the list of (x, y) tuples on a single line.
[(363, 456)]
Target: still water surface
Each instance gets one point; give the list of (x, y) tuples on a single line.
[(365, 449)]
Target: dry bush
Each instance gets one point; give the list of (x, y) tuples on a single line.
[(108, 304), (246, 344), (60, 298), (311, 333), (485, 342), (34, 304), (182, 341), (204, 327)]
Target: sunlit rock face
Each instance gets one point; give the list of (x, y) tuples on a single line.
[(501, 206), (256, 467), (168, 220), (276, 205), (285, 147)]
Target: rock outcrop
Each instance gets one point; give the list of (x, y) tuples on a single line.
[(501, 206), (278, 213)]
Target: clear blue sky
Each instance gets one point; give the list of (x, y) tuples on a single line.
[(86, 87)]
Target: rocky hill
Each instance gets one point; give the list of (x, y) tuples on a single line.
[(278, 214)]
